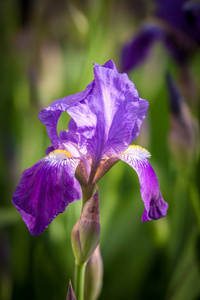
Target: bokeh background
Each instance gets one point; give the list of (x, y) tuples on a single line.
[(46, 52)]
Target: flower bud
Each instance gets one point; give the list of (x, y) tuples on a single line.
[(93, 276), (86, 232), (70, 293)]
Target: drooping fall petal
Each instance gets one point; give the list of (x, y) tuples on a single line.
[(155, 206), (46, 189)]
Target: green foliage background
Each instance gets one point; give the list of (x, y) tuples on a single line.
[(46, 52)]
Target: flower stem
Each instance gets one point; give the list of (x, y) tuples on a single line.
[(87, 192), (79, 281)]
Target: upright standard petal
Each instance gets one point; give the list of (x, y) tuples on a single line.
[(49, 116), (155, 206), (46, 189), (114, 113)]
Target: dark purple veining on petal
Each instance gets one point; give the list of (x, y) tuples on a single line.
[(45, 190), (114, 114), (155, 206)]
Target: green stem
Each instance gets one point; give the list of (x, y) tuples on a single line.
[(87, 192), (79, 281)]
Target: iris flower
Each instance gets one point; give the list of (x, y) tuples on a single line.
[(105, 120), (176, 24)]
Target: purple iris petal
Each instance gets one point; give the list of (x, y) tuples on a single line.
[(178, 27), (155, 206), (67, 136), (50, 149), (109, 64), (114, 112), (46, 189), (49, 116), (106, 118), (172, 12), (67, 139), (138, 49), (183, 15)]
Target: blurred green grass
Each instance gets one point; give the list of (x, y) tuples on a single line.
[(47, 53)]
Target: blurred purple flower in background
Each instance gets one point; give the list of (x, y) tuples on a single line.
[(176, 24), (106, 118)]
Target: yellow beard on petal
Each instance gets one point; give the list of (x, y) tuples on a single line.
[(135, 149), (59, 153)]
